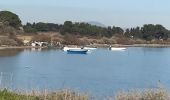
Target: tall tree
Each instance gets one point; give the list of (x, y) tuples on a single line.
[(9, 18)]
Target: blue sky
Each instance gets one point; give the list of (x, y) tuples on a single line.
[(123, 13)]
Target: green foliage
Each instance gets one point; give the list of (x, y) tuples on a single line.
[(86, 29), (148, 32), (41, 27), (61, 95), (29, 29), (83, 29), (68, 26), (7, 95), (151, 31), (9, 18)]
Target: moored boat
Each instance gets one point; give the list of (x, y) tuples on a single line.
[(70, 48), (113, 48), (89, 48), (77, 51), (117, 48)]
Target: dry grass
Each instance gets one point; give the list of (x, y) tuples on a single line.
[(152, 94), (25, 37), (148, 94)]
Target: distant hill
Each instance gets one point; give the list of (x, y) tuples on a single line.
[(96, 23)]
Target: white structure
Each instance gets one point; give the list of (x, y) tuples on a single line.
[(34, 44)]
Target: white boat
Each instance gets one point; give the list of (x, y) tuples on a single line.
[(71, 48), (117, 49), (89, 48)]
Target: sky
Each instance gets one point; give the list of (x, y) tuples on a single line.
[(122, 13)]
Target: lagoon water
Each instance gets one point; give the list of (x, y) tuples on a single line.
[(101, 72)]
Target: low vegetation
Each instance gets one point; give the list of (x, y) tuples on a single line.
[(78, 33), (152, 94), (35, 95), (148, 94)]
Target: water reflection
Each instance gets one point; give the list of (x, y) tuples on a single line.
[(10, 52), (16, 51), (6, 80), (36, 49)]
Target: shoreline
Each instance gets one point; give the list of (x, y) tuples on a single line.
[(18, 47), (132, 45), (93, 45)]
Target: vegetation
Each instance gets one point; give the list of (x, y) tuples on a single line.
[(152, 94), (80, 33), (148, 94), (41, 27), (83, 29), (60, 95), (10, 25), (7, 95), (147, 32), (10, 19)]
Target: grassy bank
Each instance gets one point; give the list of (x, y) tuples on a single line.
[(149, 94)]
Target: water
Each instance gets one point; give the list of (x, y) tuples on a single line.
[(101, 72)]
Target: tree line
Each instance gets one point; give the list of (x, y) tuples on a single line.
[(146, 32), (69, 27), (9, 20)]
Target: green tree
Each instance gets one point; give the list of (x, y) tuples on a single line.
[(28, 28), (68, 26), (151, 31), (9, 18)]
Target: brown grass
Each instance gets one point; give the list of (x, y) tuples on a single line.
[(149, 94)]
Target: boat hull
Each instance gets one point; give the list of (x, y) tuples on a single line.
[(117, 49), (77, 51), (89, 48), (69, 48)]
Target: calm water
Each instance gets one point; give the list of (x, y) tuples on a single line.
[(101, 72)]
